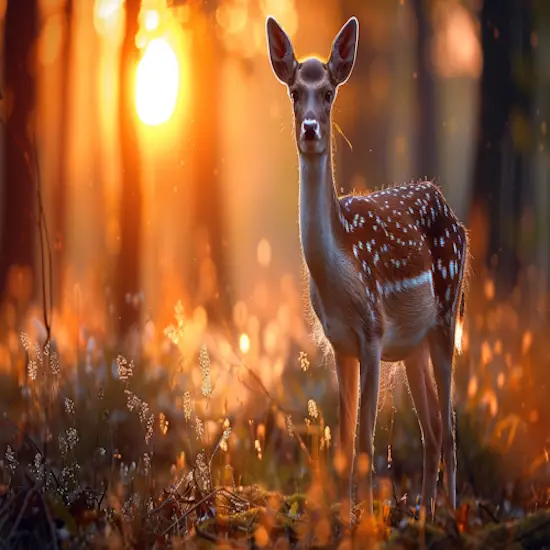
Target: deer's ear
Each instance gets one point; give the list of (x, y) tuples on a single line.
[(344, 52), (281, 52)]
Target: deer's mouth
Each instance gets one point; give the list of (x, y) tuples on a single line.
[(310, 135)]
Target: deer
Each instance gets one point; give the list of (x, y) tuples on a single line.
[(386, 276)]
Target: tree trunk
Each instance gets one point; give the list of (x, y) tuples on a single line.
[(366, 105), (502, 171), (128, 267), (17, 270), (426, 143), (209, 275), (541, 174), (60, 192)]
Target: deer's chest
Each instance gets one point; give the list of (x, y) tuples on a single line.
[(337, 307)]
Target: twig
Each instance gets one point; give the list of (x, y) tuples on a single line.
[(47, 309), (172, 498), (100, 500), (44, 236), (192, 509), (230, 495), (486, 509)]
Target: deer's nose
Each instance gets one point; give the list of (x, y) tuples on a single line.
[(310, 129)]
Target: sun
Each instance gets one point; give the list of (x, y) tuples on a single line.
[(157, 83)]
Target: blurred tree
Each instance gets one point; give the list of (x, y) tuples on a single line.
[(504, 152), (426, 143), (208, 277), (541, 124), (18, 216), (366, 126), (60, 192), (127, 279)]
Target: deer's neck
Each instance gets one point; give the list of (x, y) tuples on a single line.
[(320, 224)]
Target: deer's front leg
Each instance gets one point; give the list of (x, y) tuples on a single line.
[(347, 370), (368, 407)]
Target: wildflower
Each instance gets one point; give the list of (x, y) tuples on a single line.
[(132, 400), (163, 423), (72, 438), (69, 477), (127, 509), (204, 364), (54, 363), (146, 463), (136, 501), (143, 412), (125, 369), (225, 437), (258, 448), (26, 341), (32, 368), (149, 428), (179, 312), (325, 438), (304, 361), (62, 444), (69, 406), (187, 405), (289, 425), (312, 409), (38, 354), (226, 434), (11, 458), (146, 417), (172, 333), (202, 473), (199, 427), (36, 467)]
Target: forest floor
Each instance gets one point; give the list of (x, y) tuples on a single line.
[(216, 441), (249, 517)]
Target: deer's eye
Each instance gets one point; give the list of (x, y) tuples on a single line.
[(328, 96), (295, 96)]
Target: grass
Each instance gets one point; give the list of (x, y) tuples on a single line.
[(209, 440)]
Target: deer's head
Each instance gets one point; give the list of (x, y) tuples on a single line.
[(312, 84)]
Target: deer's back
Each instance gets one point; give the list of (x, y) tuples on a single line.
[(400, 234), (399, 270)]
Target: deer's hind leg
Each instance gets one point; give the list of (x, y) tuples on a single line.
[(441, 350), (426, 403)]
